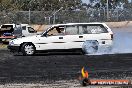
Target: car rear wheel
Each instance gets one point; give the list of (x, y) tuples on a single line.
[(28, 49), (90, 47)]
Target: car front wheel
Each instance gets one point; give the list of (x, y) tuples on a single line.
[(28, 49)]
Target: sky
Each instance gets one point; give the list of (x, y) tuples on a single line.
[(87, 1)]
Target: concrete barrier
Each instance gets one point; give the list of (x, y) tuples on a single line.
[(119, 24), (40, 27)]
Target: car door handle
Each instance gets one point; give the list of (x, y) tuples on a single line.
[(80, 36), (60, 37)]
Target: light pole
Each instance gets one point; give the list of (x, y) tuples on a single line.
[(55, 14), (107, 10), (29, 12)]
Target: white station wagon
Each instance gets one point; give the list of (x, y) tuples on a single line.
[(85, 37)]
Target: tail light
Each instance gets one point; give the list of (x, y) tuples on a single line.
[(111, 36)]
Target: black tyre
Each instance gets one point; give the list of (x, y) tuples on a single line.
[(28, 49), (90, 47)]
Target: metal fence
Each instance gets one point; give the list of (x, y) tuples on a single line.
[(50, 17)]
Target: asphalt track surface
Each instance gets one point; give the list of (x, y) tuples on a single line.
[(49, 68), (53, 67)]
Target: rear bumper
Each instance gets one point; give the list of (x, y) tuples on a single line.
[(13, 48)]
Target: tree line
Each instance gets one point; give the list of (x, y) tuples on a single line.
[(113, 4), (50, 5), (39, 5)]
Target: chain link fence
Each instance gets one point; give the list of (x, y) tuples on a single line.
[(51, 17)]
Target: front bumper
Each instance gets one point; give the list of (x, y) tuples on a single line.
[(13, 48)]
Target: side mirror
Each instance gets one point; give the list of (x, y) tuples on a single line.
[(35, 31), (23, 36)]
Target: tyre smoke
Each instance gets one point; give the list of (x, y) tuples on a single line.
[(122, 42)]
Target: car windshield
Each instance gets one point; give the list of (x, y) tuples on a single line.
[(45, 30)]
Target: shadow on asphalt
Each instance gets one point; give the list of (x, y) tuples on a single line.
[(49, 54)]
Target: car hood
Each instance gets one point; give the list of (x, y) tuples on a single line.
[(34, 36), (33, 39)]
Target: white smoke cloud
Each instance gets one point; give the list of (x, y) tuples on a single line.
[(122, 42)]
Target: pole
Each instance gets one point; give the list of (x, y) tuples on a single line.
[(29, 20), (45, 20), (117, 15), (49, 20), (104, 14), (29, 16), (54, 18), (107, 10)]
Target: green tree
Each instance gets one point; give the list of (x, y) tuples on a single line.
[(45, 5)]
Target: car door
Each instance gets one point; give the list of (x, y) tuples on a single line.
[(52, 40), (73, 38)]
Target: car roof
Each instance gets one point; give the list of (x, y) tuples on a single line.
[(14, 24), (77, 23)]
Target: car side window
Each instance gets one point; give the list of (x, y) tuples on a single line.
[(23, 27), (92, 29), (71, 30), (31, 30), (83, 29)]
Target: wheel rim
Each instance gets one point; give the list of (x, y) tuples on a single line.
[(29, 49), (91, 49)]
